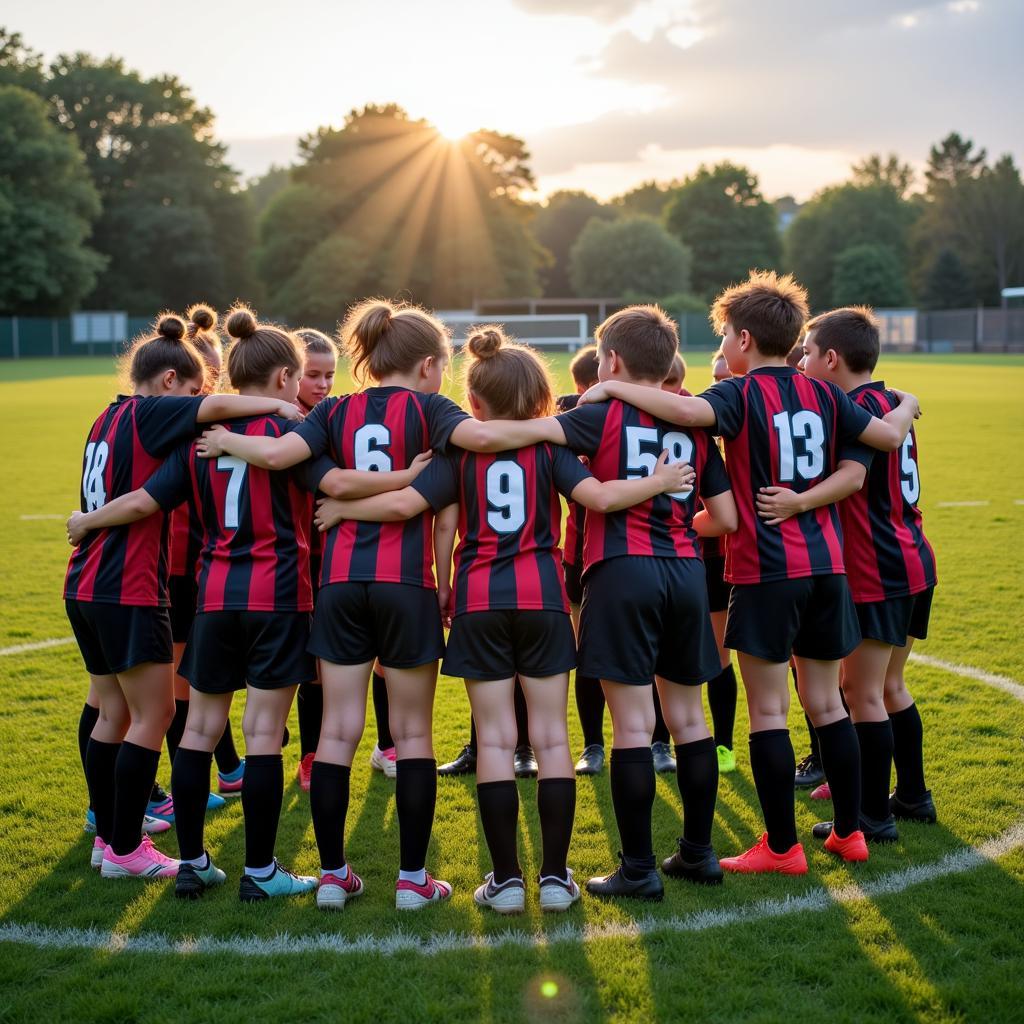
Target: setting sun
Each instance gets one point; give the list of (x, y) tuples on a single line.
[(454, 126)]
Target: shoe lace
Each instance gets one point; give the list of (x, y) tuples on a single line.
[(808, 762)]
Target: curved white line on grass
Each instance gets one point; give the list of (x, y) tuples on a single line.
[(39, 518), (953, 863), (40, 645)]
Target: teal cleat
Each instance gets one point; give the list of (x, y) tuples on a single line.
[(280, 882), (192, 882), (214, 802)]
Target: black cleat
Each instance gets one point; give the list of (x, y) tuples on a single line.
[(158, 794), (914, 810), (874, 831), (647, 887), (809, 772), (591, 761), (663, 759), (700, 868), (464, 764), (525, 763)]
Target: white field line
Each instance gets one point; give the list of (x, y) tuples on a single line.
[(37, 518), (962, 504), (40, 645), (955, 862)]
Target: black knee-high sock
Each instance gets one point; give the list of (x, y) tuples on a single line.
[(225, 753), (522, 719), (177, 728), (722, 702), (875, 739), (908, 753), (499, 813), (328, 804), (472, 734), (190, 789), (86, 721), (134, 775), (310, 711), (100, 759), (262, 794), (840, 757), (813, 736), (556, 805), (661, 733), (632, 782), (415, 796), (590, 707), (697, 778), (773, 766), (382, 713)]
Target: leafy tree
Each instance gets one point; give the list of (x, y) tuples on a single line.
[(47, 205), (294, 222), (869, 275), (838, 218), (995, 214), (873, 170), (556, 226), (328, 279), (947, 285), (952, 162), (20, 65), (720, 214), (648, 199), (262, 189), (635, 256)]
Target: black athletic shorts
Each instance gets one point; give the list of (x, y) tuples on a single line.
[(502, 643), (718, 589), (812, 617), (184, 594), (892, 621), (396, 622), (267, 650), (645, 616), (114, 638), (573, 582)]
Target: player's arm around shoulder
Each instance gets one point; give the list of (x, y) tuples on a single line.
[(503, 435), (351, 484), (718, 517), (264, 452), (777, 504), (889, 432), (129, 508), (679, 409), (614, 495)]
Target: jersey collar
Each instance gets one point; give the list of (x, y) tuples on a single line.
[(872, 385)]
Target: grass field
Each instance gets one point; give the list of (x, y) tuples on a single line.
[(866, 944)]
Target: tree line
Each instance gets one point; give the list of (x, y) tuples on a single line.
[(116, 194)]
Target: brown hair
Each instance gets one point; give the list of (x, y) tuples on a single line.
[(258, 349), (383, 337), (317, 342), (201, 330), (166, 348), (772, 308), (644, 337), (510, 378), (677, 372), (584, 366), (852, 332)]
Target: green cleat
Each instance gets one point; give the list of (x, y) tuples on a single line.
[(726, 760), (280, 882)]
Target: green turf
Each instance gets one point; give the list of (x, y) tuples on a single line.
[(938, 951)]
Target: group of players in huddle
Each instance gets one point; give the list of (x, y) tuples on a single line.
[(203, 565)]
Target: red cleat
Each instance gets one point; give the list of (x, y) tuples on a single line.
[(305, 771), (852, 848), (822, 792), (762, 859)]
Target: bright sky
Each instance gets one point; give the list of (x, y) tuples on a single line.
[(606, 93)]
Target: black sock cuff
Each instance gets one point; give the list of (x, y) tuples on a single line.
[(378, 679), (698, 748), (499, 784), (833, 728), (180, 705), (767, 736), (910, 711), (139, 751), (197, 755), (873, 727), (726, 673), (421, 764), (268, 760), (88, 711), (632, 755), (556, 783), (330, 770), (103, 746)]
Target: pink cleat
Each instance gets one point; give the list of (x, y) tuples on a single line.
[(822, 792), (384, 761), (334, 891), (145, 861), (410, 896)]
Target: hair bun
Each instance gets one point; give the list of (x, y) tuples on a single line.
[(485, 342), (201, 317), (171, 327), (375, 320), (241, 323)]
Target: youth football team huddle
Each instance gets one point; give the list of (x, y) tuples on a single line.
[(204, 565)]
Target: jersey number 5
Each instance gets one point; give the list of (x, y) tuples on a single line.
[(236, 467), (805, 426), (910, 479), (506, 496), (96, 454)]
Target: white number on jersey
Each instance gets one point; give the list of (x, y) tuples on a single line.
[(506, 496), (369, 443), (910, 479), (96, 455), (236, 467), (641, 463), (805, 426)]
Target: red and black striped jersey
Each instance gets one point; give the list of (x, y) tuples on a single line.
[(380, 429), (783, 429), (510, 519), (185, 540), (255, 554), (127, 565), (576, 516), (623, 443), (887, 554)]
